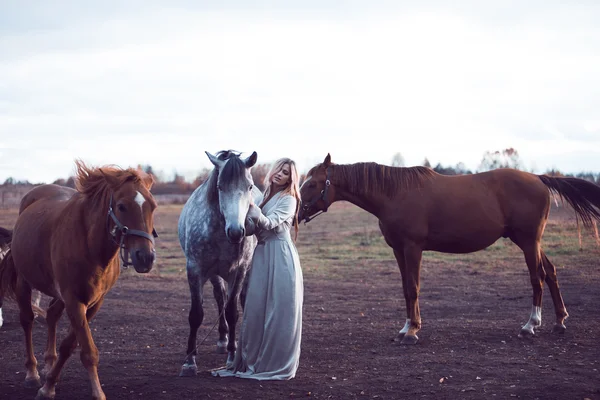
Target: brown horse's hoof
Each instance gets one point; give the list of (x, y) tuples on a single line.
[(188, 370), (409, 340), (559, 328), (398, 337), (42, 396), (32, 383)]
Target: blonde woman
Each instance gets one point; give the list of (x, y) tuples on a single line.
[(269, 347)]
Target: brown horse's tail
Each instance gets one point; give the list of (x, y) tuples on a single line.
[(8, 272), (5, 239), (8, 275), (582, 195)]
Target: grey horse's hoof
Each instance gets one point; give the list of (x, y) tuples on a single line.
[(222, 347), (409, 340), (559, 328), (188, 370), (230, 357), (32, 383)]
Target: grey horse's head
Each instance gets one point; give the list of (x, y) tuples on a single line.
[(234, 185)]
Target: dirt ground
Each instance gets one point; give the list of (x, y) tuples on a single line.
[(472, 309)]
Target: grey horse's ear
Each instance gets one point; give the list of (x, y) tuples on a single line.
[(216, 162), (250, 161)]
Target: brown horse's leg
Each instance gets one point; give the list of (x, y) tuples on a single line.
[(53, 314), (412, 265), (532, 252), (67, 346), (399, 254), (26, 315), (559, 305), (80, 332)]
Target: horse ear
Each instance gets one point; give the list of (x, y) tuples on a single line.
[(216, 162), (250, 161), (327, 160), (148, 181), (112, 180)]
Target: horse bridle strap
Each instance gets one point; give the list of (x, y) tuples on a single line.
[(125, 231), (323, 197)]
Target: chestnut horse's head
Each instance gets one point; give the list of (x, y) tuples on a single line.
[(128, 206), (234, 186), (316, 191)]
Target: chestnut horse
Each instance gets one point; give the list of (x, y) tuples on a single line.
[(66, 243), (419, 209)]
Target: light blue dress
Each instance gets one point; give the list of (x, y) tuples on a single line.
[(269, 346)]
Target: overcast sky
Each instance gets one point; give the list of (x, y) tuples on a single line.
[(159, 83)]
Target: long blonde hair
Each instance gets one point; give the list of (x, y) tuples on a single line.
[(292, 188)]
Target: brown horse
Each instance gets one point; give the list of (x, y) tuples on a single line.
[(66, 244), (419, 209)]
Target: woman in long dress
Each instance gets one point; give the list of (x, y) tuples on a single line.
[(271, 331)]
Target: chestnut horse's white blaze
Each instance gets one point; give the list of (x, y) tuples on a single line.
[(140, 199)]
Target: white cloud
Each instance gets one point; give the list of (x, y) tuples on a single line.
[(162, 86)]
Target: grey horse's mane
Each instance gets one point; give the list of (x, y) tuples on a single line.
[(232, 171)]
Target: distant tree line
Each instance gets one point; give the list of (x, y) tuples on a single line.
[(507, 158)]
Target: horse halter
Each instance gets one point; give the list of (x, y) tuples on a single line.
[(124, 231), (314, 201)]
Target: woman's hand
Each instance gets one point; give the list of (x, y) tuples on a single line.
[(254, 212)]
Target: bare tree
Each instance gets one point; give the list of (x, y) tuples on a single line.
[(398, 160), (507, 158)]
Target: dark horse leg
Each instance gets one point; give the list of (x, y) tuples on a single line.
[(79, 332), (559, 305), (23, 297), (411, 285), (221, 297), (55, 310), (195, 319), (399, 254)]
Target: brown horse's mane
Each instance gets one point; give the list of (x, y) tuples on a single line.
[(96, 183), (368, 177)]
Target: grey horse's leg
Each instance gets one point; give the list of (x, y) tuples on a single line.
[(221, 297), (231, 311), (196, 283)]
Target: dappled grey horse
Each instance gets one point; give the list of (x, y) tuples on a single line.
[(218, 244)]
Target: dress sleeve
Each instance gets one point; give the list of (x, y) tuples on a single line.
[(285, 209)]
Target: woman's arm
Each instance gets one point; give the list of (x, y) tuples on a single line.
[(285, 209)]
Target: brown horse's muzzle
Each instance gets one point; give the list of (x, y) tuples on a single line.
[(142, 259)]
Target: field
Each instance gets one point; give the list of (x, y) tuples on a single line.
[(472, 308)]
